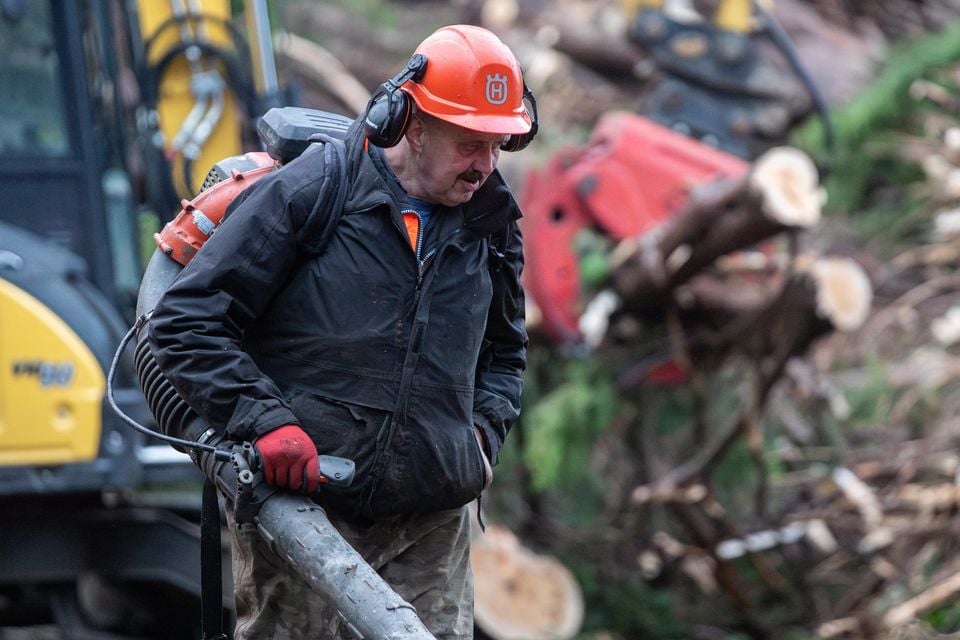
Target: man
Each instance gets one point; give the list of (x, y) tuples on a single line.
[(392, 335)]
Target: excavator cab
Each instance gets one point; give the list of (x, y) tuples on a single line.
[(110, 111), (69, 264)]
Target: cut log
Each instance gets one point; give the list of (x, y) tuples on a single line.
[(844, 293), (784, 326), (781, 193), (521, 595), (786, 180)]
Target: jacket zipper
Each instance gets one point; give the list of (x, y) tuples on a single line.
[(413, 344)]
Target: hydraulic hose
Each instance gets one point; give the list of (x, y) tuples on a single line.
[(208, 86), (781, 39)]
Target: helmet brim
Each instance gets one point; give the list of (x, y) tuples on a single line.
[(505, 125), (508, 122)]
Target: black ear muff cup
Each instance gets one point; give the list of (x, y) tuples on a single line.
[(386, 118), (388, 112)]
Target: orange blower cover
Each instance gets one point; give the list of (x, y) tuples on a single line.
[(183, 236)]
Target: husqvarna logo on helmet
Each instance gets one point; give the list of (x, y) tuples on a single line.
[(496, 88)]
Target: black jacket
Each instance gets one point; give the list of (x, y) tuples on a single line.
[(285, 317)]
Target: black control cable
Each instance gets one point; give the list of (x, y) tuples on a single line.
[(219, 454), (781, 39)]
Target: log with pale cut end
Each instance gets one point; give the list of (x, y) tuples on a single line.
[(788, 185), (844, 293), (946, 225), (499, 14), (781, 193), (951, 144), (946, 328), (521, 595)]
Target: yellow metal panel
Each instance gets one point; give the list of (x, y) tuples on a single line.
[(51, 386), (734, 15), (731, 15), (175, 98), (630, 7)]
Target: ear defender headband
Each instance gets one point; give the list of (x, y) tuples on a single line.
[(388, 112)]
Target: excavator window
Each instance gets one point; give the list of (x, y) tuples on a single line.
[(32, 118)]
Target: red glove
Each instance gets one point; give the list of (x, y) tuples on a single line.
[(289, 458)]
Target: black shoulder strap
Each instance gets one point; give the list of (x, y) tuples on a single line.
[(211, 580), (333, 195)]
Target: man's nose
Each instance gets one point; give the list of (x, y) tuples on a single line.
[(486, 160)]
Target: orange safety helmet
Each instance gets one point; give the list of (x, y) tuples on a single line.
[(464, 75), (472, 80)]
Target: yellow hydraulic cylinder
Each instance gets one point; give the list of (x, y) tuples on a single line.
[(187, 86)]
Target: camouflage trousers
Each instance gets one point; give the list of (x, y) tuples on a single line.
[(425, 558)]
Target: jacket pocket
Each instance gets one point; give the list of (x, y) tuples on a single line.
[(428, 468), (345, 430)]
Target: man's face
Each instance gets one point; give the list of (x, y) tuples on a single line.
[(454, 162)]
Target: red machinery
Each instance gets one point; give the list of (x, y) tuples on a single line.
[(630, 176)]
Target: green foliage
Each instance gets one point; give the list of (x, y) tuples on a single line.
[(887, 101), (148, 223), (945, 619), (894, 223), (862, 160), (871, 401), (734, 479), (560, 428), (593, 250), (672, 413)]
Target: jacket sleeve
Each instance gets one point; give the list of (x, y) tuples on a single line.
[(499, 382), (197, 328)]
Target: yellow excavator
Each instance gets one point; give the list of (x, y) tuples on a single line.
[(111, 111)]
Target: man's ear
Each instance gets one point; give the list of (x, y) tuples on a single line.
[(415, 133)]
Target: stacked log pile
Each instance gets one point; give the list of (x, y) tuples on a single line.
[(851, 533)]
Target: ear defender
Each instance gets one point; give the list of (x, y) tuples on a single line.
[(520, 141), (388, 111)]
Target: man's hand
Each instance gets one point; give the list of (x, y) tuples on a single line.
[(487, 469), (289, 458)]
